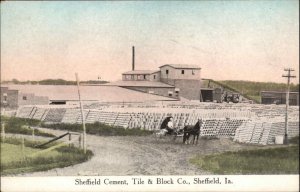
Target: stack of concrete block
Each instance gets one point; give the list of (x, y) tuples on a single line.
[(85, 113), (122, 120), (244, 133), (92, 116), (71, 116), (40, 113), (24, 112), (229, 126), (265, 133), (55, 115)]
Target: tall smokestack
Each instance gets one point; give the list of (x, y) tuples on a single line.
[(132, 58)]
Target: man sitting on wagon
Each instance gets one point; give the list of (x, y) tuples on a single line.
[(167, 124)]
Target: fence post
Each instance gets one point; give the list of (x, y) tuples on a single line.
[(70, 138), (33, 136), (3, 131), (23, 148), (79, 140)]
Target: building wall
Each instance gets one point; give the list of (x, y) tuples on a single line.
[(12, 98), (162, 91), (135, 77), (177, 73), (279, 98), (155, 76), (31, 99), (4, 96), (9, 98), (189, 89)]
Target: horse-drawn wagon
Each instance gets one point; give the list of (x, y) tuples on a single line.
[(174, 132)]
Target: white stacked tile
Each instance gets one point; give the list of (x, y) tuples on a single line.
[(122, 120), (107, 117), (257, 132), (85, 113), (92, 116), (293, 128), (71, 116), (278, 128), (244, 132), (45, 114), (24, 111), (210, 127), (265, 133), (229, 127), (39, 113), (55, 115)]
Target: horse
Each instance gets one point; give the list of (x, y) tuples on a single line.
[(189, 130)]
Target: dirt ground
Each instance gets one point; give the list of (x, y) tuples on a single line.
[(132, 155)]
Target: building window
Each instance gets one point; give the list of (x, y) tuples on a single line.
[(193, 72), (144, 76), (170, 93), (167, 71), (154, 76), (177, 90), (182, 71), (24, 98)]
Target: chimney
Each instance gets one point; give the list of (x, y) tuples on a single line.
[(132, 58)]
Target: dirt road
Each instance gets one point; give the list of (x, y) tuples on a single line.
[(129, 155)]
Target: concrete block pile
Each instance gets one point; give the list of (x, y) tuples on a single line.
[(246, 123), (264, 132)]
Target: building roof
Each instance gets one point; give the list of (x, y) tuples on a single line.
[(140, 72), (139, 84), (89, 93), (182, 66), (279, 92)]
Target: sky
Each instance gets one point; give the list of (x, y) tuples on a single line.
[(229, 40)]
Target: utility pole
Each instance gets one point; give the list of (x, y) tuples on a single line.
[(82, 116), (287, 99)]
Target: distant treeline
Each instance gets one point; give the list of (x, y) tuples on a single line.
[(52, 82)]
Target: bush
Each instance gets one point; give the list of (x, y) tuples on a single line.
[(294, 140), (64, 156), (22, 126), (98, 128), (27, 143)]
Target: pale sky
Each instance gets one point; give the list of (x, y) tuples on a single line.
[(229, 40)]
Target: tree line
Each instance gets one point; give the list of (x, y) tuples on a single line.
[(52, 82)]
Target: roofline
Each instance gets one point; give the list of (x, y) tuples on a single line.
[(207, 89), (128, 72), (277, 92), (146, 86), (180, 67)]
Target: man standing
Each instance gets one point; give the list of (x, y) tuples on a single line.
[(170, 126)]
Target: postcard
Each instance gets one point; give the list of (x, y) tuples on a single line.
[(150, 95)]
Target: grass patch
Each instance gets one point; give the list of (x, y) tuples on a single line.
[(100, 129), (12, 152), (294, 140), (17, 125), (13, 160), (283, 160)]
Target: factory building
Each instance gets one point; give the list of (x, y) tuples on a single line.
[(13, 98), (171, 80), (277, 97), (176, 81)]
